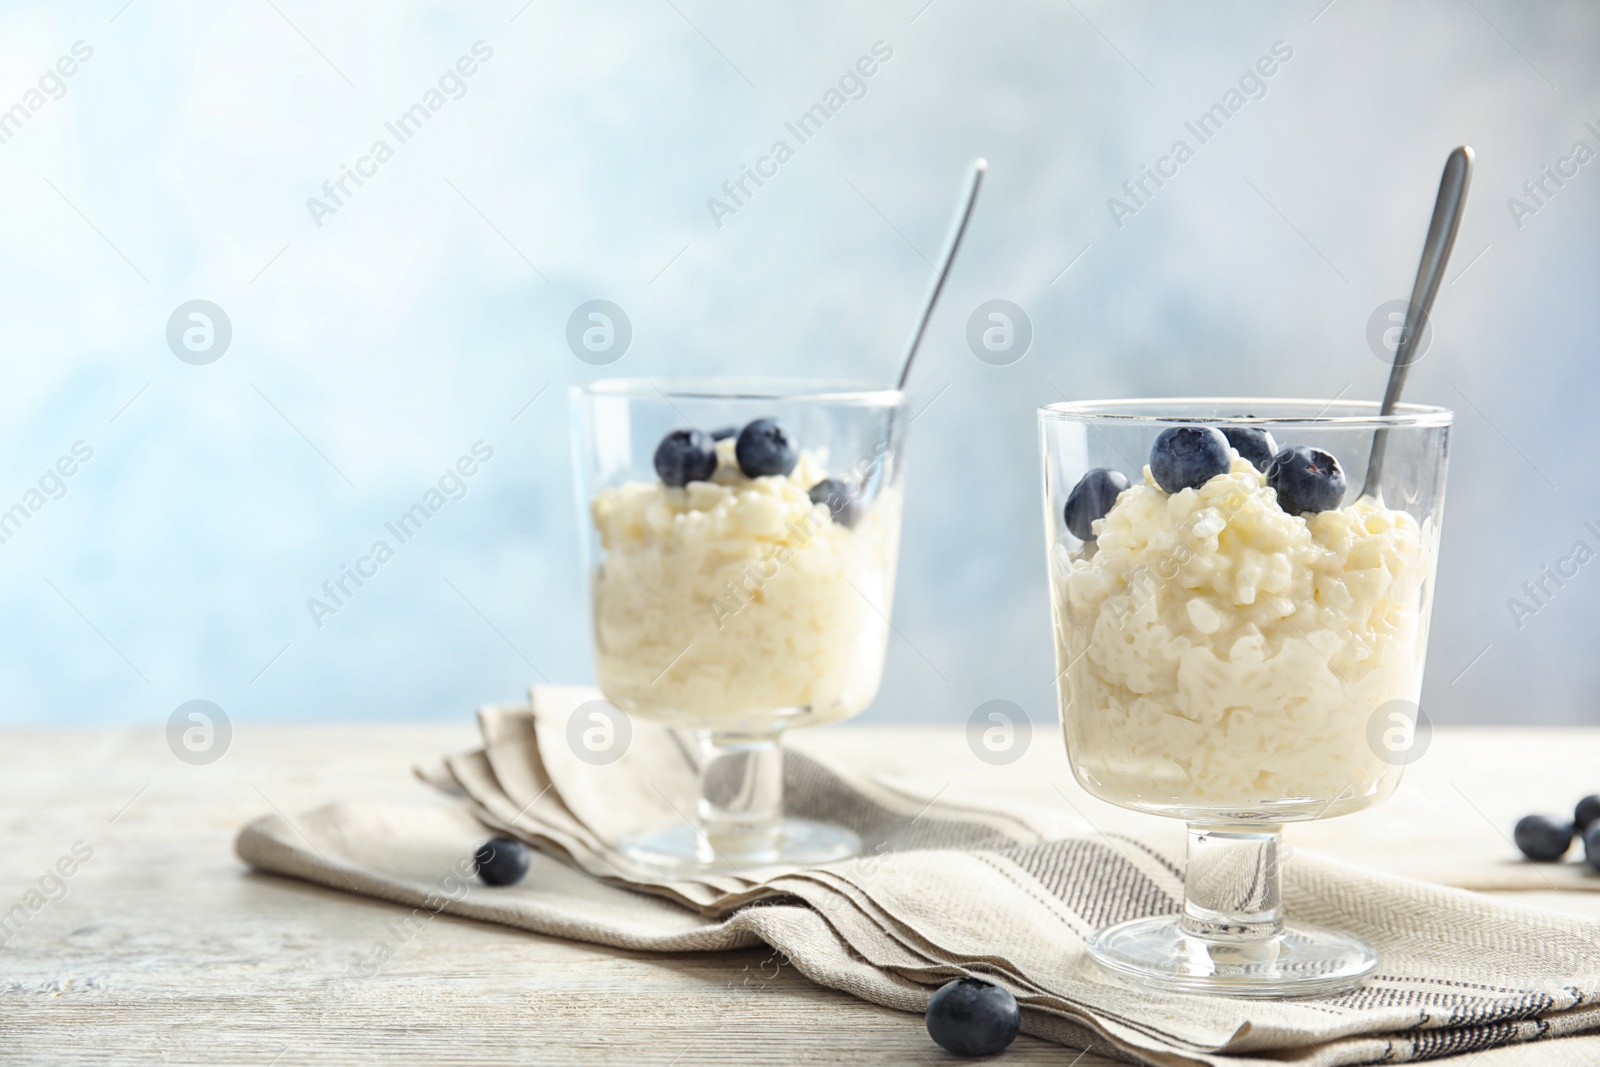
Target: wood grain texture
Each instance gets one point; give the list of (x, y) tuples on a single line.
[(164, 949)]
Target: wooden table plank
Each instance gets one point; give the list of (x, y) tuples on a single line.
[(164, 949)]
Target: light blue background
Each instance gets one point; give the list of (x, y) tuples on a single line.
[(368, 354)]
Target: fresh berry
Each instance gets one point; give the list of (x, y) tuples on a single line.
[(1587, 811), (1591, 845), (973, 1018), (725, 433), (843, 500), (1091, 498), (1187, 457), (766, 447), (501, 861), (1253, 445), (1307, 480), (1541, 838), (685, 456)]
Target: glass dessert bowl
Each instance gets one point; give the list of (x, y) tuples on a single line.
[(1240, 635), (741, 538)]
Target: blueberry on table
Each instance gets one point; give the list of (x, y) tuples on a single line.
[(1591, 845), (1187, 457), (842, 499), (501, 861), (970, 1017), (766, 447), (1586, 813), (1307, 480), (725, 433), (1091, 499), (1541, 838), (685, 456), (1255, 446)]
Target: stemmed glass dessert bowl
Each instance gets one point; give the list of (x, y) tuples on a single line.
[(1240, 635), (741, 538)]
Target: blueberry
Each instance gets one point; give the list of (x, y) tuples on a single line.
[(1253, 445), (766, 447), (685, 456), (1091, 498), (725, 433), (1587, 811), (1307, 480), (1187, 457), (1591, 845), (844, 502), (501, 861), (973, 1018), (1541, 838)]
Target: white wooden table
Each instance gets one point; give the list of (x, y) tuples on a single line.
[(164, 949)]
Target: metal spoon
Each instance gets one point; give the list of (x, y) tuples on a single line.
[(958, 227), (1447, 209)]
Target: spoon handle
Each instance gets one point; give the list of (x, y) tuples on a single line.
[(958, 227), (1447, 211)]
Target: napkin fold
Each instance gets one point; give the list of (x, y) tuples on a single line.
[(944, 889)]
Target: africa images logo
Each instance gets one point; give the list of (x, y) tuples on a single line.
[(199, 332), (337, 191), (453, 484), (852, 85), (1252, 85), (51, 85), (52, 485)]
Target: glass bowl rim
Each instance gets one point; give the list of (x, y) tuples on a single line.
[(1149, 411), (735, 387)]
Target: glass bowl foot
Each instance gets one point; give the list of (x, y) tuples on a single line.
[(1301, 961), (686, 849)]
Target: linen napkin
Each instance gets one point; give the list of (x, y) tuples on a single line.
[(945, 889)]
